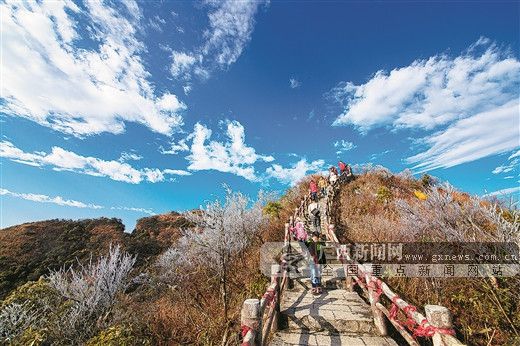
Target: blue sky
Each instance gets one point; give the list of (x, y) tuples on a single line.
[(126, 109)]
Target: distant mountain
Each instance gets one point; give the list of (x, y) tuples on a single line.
[(30, 250)]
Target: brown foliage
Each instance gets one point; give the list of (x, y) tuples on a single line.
[(485, 312)]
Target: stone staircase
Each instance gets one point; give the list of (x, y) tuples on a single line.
[(336, 317)]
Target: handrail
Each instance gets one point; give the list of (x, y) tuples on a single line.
[(437, 323), (254, 330)]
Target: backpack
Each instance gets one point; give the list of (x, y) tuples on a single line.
[(315, 211), (342, 166)]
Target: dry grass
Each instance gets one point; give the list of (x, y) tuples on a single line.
[(382, 207)]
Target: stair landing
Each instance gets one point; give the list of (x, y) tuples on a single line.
[(336, 317)]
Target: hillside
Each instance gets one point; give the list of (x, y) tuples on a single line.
[(30, 250), (174, 301)]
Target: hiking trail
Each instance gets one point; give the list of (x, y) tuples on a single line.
[(289, 314)]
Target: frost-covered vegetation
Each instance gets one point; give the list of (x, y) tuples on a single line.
[(380, 206), (181, 279)]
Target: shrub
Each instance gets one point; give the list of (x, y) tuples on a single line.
[(117, 336), (90, 292), (273, 209), (384, 194), (14, 319)]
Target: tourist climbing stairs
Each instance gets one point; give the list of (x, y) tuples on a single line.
[(289, 314)]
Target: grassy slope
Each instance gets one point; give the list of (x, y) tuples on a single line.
[(484, 310), (189, 311)]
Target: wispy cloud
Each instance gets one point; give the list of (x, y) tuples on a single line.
[(137, 210), (375, 156), (176, 147), (59, 200), (75, 89), (46, 199), (343, 146), (157, 23), (504, 192), (60, 159), (483, 134), (231, 25), (233, 156), (291, 175), (512, 165), (471, 98), (294, 83), (129, 157)]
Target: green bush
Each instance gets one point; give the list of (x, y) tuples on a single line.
[(117, 336), (273, 209), (383, 194)]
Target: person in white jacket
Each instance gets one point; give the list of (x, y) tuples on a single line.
[(315, 216)]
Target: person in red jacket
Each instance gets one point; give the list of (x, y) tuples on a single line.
[(342, 167), (313, 188)]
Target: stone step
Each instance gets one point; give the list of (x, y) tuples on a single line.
[(326, 281), (290, 338), (335, 311)]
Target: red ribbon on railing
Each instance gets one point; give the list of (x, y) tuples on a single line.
[(427, 330), (269, 295), (243, 331), (424, 329), (377, 286)]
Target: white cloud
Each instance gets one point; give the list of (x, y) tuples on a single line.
[(176, 172), (60, 159), (231, 25), (46, 199), (375, 156), (233, 156), (343, 146), (470, 101), (432, 92), (503, 192), (230, 28), (39, 198), (157, 23), (483, 134), (52, 80), (294, 83), (512, 165), (178, 147), (295, 173), (137, 210), (182, 64), (516, 154), (129, 157)]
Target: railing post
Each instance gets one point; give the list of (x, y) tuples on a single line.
[(379, 317), (276, 271), (287, 237), (249, 318), (440, 317)]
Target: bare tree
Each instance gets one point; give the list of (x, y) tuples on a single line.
[(92, 289), (222, 231)]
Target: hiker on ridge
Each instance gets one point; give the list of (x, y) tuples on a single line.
[(322, 184), (315, 216), (316, 260), (333, 175), (313, 188), (342, 167)]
